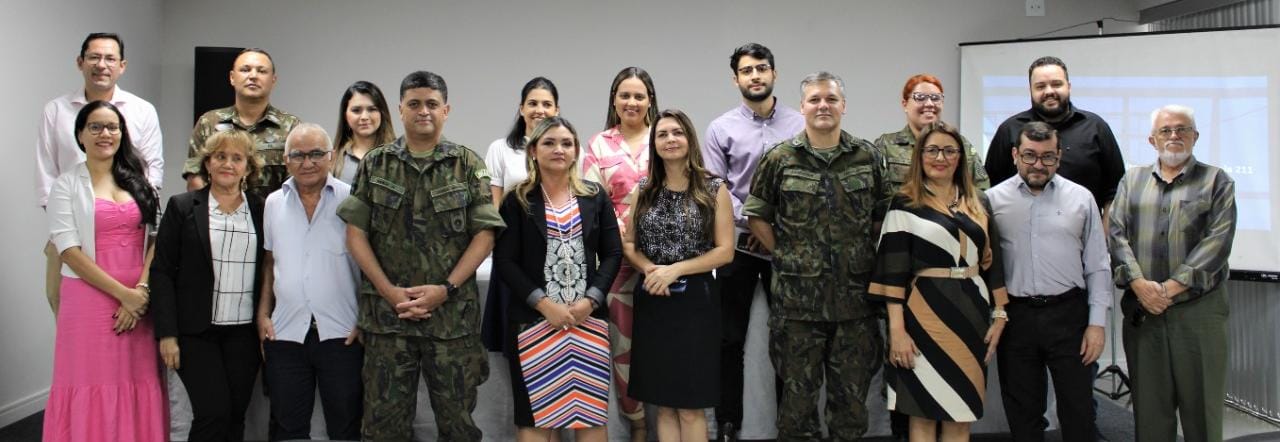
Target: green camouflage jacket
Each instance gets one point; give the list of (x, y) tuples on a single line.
[(822, 221), (420, 214)]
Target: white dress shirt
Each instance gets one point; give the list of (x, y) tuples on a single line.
[(315, 276), (57, 151)]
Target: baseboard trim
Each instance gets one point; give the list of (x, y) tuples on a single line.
[(20, 409)]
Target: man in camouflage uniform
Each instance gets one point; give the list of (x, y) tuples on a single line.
[(811, 205), (253, 76), (419, 222)]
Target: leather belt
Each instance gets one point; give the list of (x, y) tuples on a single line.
[(1047, 300)]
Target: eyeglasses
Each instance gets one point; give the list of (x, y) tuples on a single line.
[(1048, 159), (947, 153), (109, 60), (1182, 131), (921, 97), (762, 68), (97, 128), (315, 156)]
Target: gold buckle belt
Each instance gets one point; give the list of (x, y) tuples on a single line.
[(948, 272)]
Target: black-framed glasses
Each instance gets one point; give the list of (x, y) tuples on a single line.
[(921, 97), (1048, 159), (762, 68), (315, 156), (947, 153), (97, 128), (1182, 131)]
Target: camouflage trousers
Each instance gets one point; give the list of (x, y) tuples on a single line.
[(804, 353), (453, 369)]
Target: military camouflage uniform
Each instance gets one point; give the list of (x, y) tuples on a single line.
[(420, 214), (269, 133), (897, 148), (821, 323)]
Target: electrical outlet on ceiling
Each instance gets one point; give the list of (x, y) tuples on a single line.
[(1035, 8)]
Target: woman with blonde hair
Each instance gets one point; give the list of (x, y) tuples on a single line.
[(558, 255), (939, 271), (204, 287)]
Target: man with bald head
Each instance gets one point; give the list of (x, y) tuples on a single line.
[(307, 312), (253, 76), (1172, 224)]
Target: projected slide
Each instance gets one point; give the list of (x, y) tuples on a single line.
[(1233, 86)]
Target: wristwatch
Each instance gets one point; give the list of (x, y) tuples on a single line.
[(450, 289), (1000, 314)]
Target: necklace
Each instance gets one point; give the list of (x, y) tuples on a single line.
[(560, 233)]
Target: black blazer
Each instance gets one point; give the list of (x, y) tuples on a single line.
[(182, 269), (521, 250)]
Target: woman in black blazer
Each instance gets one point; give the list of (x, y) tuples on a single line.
[(203, 287), (557, 257)]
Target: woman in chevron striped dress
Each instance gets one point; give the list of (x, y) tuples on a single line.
[(939, 271), (558, 256)]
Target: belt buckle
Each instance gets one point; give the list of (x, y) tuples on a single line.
[(958, 272), (1039, 301)]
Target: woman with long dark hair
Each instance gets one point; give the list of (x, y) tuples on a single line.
[(362, 126), (681, 230), (506, 157), (617, 159), (102, 214)]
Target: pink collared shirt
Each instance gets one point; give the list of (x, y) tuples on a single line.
[(57, 151), (608, 160)]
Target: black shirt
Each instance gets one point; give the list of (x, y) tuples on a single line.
[(1090, 155)]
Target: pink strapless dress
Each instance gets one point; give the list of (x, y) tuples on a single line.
[(106, 387)]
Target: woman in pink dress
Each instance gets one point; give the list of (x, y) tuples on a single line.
[(617, 159), (106, 382)]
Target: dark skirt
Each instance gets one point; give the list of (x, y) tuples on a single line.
[(675, 347)]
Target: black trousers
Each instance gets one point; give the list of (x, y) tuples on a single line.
[(295, 369), (737, 290), (218, 367), (1039, 338)]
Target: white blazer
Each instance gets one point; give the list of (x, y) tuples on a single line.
[(70, 213)]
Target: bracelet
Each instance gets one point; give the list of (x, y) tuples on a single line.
[(1000, 314), (144, 287)]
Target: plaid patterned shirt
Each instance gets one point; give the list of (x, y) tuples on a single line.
[(1181, 229)]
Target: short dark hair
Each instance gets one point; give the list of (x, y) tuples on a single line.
[(258, 51), (1038, 131), (1048, 60), (84, 46), (755, 50), (424, 79)]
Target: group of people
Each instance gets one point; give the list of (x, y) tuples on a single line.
[(627, 262)]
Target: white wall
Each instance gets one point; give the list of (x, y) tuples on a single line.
[(486, 50), (42, 40)]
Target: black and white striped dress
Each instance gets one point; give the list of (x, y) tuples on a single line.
[(947, 318)]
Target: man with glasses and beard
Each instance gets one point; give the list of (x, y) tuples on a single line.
[(1090, 155), (1058, 276), (1171, 231), (735, 141)]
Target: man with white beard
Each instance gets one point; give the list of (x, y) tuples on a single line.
[(1172, 225)]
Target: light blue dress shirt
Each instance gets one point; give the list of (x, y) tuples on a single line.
[(314, 273), (1053, 242)]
